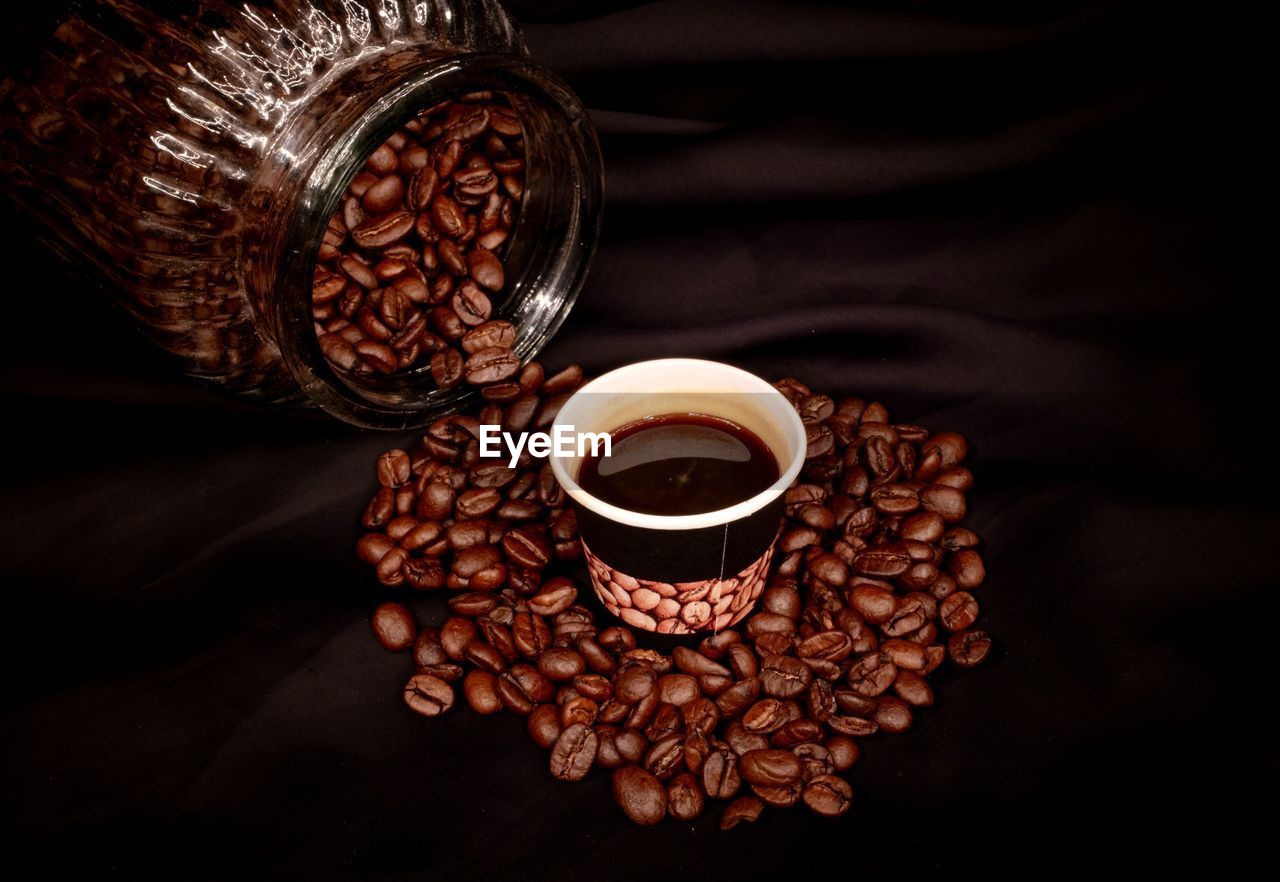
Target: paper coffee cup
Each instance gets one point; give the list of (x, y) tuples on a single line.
[(679, 574)]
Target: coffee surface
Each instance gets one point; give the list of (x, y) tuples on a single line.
[(680, 464)]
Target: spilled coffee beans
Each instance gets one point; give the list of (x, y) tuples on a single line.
[(874, 586)]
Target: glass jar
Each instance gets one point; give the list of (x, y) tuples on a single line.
[(192, 160)]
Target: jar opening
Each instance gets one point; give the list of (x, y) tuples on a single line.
[(546, 236)]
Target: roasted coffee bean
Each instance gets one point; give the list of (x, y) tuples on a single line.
[(485, 657), (720, 778), (666, 721), (796, 732), (968, 648), (967, 569), (492, 365), (666, 757), (695, 663), (737, 737), (715, 646), (393, 626), (557, 595), (892, 714), (701, 714), (958, 611), (684, 797), (677, 689), (543, 725), (784, 676), (593, 686), (528, 547), (428, 695), (742, 810), (607, 756), (913, 689), (831, 645), (815, 758), (635, 682), (874, 604), (743, 662), (779, 795), (854, 726), (783, 600), (765, 716), (560, 665), (828, 795), (530, 634), (427, 649), (844, 752), (596, 656), (574, 753), (456, 634), (872, 674), (640, 795), (481, 691), (738, 697)]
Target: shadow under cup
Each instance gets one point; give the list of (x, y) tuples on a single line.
[(680, 574)]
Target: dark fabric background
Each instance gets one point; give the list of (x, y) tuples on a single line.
[(1025, 224)]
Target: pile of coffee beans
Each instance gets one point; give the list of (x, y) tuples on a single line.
[(410, 261), (871, 591)]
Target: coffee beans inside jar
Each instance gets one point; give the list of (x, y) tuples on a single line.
[(409, 273), (872, 590)]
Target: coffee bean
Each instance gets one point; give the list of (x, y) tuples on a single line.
[(967, 569), (428, 695), (958, 611), (765, 716), (828, 795), (677, 689), (492, 365), (634, 683), (528, 547), (770, 767), (968, 648), (853, 726), (720, 778), (684, 797), (872, 674), (393, 626), (493, 334), (543, 725), (481, 691), (692, 662), (844, 752), (574, 753), (944, 501), (639, 794), (738, 738), (560, 665), (738, 697), (666, 756), (486, 269), (783, 676), (742, 810), (874, 604)]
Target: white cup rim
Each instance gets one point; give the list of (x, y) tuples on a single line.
[(793, 430)]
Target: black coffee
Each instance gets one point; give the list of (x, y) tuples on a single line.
[(680, 464)]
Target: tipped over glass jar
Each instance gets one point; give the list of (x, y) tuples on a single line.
[(374, 207)]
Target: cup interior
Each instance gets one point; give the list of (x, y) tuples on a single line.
[(683, 385)]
